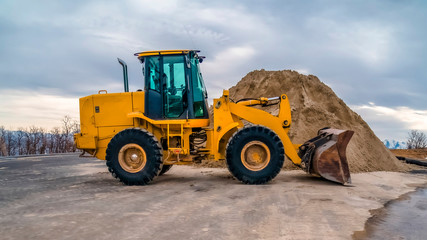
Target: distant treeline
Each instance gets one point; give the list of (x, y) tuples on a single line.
[(36, 140)]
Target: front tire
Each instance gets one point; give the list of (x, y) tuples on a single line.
[(255, 155), (165, 169), (134, 156)]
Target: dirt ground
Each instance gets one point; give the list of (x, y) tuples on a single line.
[(66, 197), (419, 154)]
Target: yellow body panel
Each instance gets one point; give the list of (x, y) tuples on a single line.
[(87, 118), (138, 101), (224, 126), (102, 116), (86, 141), (113, 109)]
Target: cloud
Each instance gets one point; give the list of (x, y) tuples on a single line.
[(28, 108), (392, 122), (367, 51), (220, 72), (362, 40)]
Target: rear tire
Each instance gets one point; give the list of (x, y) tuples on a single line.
[(255, 155), (165, 168), (134, 156)]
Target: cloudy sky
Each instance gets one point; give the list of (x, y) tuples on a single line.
[(371, 53)]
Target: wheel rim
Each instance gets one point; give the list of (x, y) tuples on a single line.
[(132, 158), (255, 155)]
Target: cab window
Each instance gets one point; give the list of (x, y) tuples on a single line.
[(173, 79), (199, 91), (153, 73)]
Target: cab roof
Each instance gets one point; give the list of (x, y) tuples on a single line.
[(164, 52)]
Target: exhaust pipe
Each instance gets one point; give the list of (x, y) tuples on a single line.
[(125, 74)]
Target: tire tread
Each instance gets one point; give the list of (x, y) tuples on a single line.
[(231, 158), (133, 134)]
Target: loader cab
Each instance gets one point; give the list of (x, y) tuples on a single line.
[(174, 87)]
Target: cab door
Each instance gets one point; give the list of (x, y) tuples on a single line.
[(174, 85), (153, 88)]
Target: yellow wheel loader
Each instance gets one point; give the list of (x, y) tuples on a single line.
[(142, 134)]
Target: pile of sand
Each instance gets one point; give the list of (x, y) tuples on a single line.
[(314, 105)]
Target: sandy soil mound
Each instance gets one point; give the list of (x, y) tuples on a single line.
[(314, 105)]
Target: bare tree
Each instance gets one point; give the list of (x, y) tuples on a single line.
[(20, 141), (3, 148), (10, 143), (55, 140), (35, 140), (416, 139), (75, 128), (43, 141), (67, 126)]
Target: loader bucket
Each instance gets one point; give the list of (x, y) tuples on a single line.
[(325, 155)]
